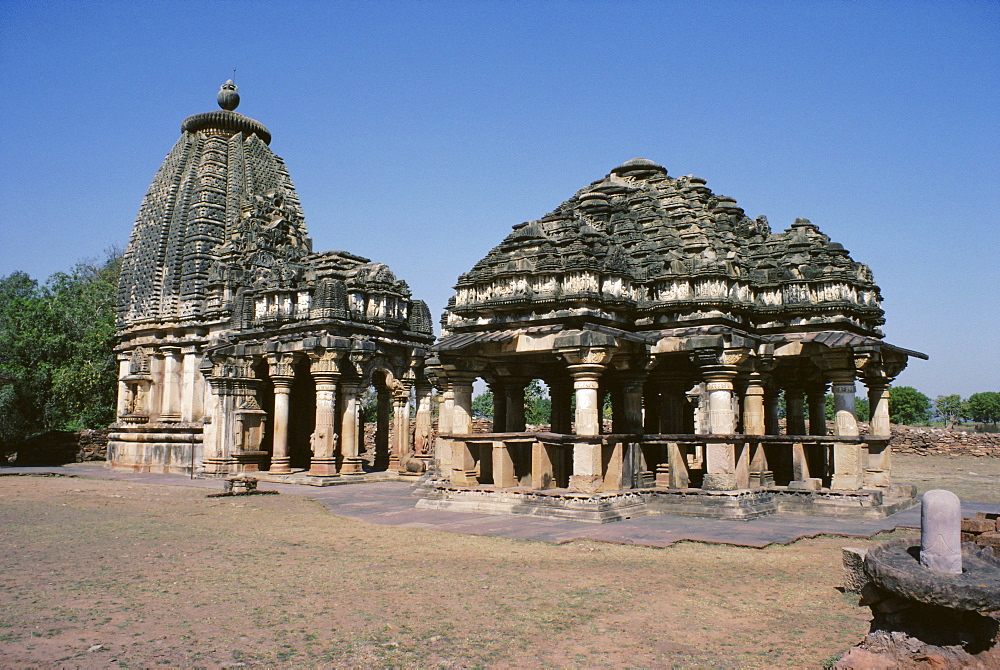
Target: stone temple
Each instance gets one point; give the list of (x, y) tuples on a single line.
[(241, 348), (687, 349), (663, 301)]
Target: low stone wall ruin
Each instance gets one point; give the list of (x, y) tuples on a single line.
[(938, 441)]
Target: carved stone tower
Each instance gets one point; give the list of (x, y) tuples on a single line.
[(240, 348)]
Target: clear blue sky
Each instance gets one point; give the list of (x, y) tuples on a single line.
[(417, 133)]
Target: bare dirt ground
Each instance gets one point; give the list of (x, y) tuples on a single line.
[(112, 574)]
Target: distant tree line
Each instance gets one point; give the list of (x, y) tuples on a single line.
[(57, 369)]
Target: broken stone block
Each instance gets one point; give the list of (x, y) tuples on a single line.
[(978, 525), (854, 569)]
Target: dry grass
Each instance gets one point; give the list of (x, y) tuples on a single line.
[(112, 574)]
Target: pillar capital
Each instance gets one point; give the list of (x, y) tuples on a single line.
[(281, 365), (325, 365)]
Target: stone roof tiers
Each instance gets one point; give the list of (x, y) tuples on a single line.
[(640, 250)]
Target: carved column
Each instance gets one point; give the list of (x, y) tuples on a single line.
[(499, 390), (585, 367), (720, 458), (817, 454), (446, 408), (673, 403), (651, 407), (171, 408), (847, 458), (402, 449), (514, 390), (561, 393), (422, 430), (878, 373), (192, 390), (125, 400), (282, 373), (463, 466), (753, 424), (350, 428), (325, 372)]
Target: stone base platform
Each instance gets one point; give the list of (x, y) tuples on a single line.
[(550, 504), (743, 504), (863, 504), (303, 477)]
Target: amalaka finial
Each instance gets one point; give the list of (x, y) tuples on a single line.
[(228, 98)]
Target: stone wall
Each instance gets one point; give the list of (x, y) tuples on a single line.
[(938, 441), (56, 447)]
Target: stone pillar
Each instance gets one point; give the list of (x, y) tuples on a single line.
[(463, 467), (384, 452), (124, 393), (720, 458), (816, 455), (422, 429), (280, 461), (878, 404), (673, 404), (588, 410), (631, 393), (461, 417), (171, 408), (323, 441), (754, 424), (499, 390), (191, 387), (816, 400), (446, 407), (585, 367), (795, 422), (402, 449), (771, 425), (514, 389), (879, 470), (280, 367), (561, 393), (651, 407), (350, 429), (847, 458)]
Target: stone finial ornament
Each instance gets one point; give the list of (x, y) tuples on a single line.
[(228, 97)]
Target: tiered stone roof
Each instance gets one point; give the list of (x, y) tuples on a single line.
[(642, 250)]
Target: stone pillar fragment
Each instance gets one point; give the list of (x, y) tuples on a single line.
[(422, 429), (402, 448), (878, 471)]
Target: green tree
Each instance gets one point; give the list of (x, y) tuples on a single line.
[(951, 408), (56, 354), (537, 404), (482, 406), (984, 407), (908, 406)]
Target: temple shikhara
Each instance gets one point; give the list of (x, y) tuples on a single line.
[(688, 350)]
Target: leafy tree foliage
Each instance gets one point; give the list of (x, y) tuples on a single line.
[(984, 407), (908, 406), (56, 343), (482, 406), (861, 410), (951, 408), (537, 404)]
